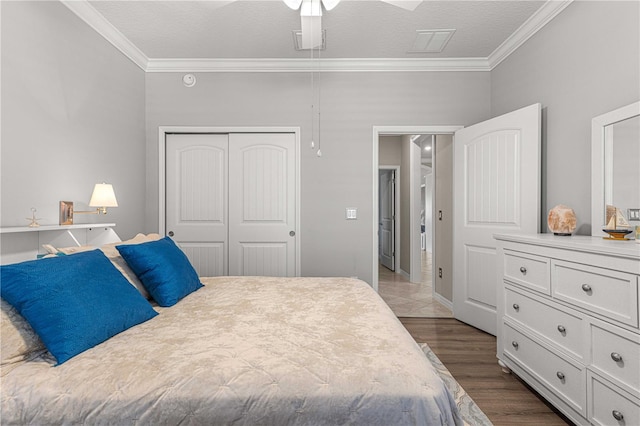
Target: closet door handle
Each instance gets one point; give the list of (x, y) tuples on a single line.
[(292, 233), (171, 233)]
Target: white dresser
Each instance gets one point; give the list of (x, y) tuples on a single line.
[(568, 323)]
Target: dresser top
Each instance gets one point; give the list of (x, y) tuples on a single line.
[(598, 245)]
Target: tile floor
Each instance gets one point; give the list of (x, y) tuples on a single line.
[(407, 299)]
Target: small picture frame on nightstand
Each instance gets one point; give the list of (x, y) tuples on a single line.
[(66, 212)]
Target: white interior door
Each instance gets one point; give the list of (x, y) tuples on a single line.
[(197, 199), (497, 190), (386, 233), (262, 219)]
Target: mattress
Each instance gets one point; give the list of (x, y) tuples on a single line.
[(243, 350)]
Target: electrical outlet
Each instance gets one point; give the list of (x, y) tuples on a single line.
[(634, 214), (439, 272), (352, 213)]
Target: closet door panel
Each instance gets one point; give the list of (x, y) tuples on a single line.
[(197, 199), (262, 218)]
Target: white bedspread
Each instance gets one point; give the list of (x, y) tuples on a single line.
[(243, 350)]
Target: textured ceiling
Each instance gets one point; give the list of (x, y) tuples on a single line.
[(355, 28)]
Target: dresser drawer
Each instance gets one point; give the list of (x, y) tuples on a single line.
[(609, 293), (562, 328), (610, 406), (527, 270), (617, 354), (562, 377)]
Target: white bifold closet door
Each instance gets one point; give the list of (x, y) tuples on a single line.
[(230, 202)]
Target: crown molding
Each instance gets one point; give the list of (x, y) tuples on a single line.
[(86, 12), (318, 65), (539, 19)]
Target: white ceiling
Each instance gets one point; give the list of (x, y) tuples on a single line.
[(355, 28)]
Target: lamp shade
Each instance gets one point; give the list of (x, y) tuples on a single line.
[(103, 196)]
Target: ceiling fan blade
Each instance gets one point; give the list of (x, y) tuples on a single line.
[(405, 4), (330, 4), (293, 4)]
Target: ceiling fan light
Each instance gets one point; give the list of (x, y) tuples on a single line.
[(293, 4)]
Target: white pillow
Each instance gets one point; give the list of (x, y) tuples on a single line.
[(112, 253), (121, 265), (19, 342)]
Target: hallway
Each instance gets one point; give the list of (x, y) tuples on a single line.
[(407, 299)]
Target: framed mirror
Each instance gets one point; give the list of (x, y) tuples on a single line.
[(615, 164)]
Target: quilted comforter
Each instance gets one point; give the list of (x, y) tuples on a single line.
[(243, 350)]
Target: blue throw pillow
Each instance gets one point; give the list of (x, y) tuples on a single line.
[(163, 269), (73, 302)]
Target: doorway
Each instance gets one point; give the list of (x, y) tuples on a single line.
[(415, 271), (388, 211)]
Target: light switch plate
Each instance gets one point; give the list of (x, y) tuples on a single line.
[(634, 214), (352, 213)]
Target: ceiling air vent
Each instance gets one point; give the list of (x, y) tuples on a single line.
[(431, 41), (297, 40)]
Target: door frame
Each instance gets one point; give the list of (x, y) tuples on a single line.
[(415, 227), (162, 145), (396, 226)]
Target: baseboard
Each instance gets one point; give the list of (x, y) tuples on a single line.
[(441, 299), (404, 274)]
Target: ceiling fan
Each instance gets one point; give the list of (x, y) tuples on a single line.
[(311, 16)]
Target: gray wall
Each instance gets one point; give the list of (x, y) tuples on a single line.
[(583, 63), (406, 191), (73, 109), (352, 103), (389, 151), (443, 199), (72, 116)]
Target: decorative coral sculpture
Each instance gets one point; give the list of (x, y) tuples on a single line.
[(561, 220)]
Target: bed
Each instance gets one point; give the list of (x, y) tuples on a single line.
[(238, 350)]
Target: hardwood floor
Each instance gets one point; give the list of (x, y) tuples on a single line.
[(470, 356)]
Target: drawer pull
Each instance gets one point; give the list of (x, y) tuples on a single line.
[(586, 288), (617, 415), (560, 375), (515, 344), (561, 329), (616, 356), (516, 307), (523, 270)]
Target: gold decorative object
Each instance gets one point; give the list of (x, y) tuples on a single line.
[(34, 220), (617, 226)]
